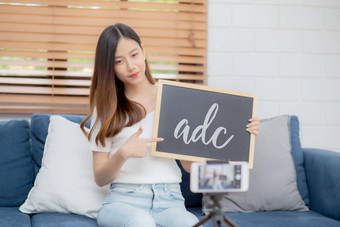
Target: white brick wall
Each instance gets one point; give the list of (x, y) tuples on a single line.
[(286, 51), (301, 17), (279, 41)]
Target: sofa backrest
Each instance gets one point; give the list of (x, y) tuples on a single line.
[(16, 169)]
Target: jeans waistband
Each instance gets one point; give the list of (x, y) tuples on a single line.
[(162, 186)]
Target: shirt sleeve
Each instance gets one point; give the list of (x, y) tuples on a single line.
[(93, 145)]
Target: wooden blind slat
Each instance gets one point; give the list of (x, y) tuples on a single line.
[(43, 109), (36, 81), (57, 74), (178, 67), (55, 64), (94, 31), (41, 99), (120, 5), (114, 14), (85, 47), (86, 21), (56, 55), (177, 76), (92, 40), (43, 90), (183, 77), (89, 65), (44, 73), (46, 46), (49, 2)]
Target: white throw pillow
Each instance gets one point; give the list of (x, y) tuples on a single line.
[(65, 182)]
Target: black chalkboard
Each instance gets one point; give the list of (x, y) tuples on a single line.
[(201, 123)]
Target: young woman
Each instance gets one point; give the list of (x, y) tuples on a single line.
[(144, 190)]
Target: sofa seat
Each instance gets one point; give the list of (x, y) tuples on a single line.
[(274, 219), (11, 216), (59, 219)]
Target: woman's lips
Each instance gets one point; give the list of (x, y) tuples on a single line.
[(134, 75)]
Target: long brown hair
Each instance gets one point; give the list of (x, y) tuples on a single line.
[(114, 110)]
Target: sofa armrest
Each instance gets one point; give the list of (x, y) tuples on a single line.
[(323, 178)]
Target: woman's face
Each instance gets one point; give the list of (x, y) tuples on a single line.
[(129, 62)]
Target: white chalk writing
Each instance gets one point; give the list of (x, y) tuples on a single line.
[(183, 129)]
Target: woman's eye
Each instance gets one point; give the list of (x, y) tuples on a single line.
[(118, 61), (134, 55)]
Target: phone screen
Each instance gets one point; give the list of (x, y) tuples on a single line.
[(219, 177)]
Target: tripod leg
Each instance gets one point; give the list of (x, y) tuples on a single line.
[(204, 220), (228, 222)]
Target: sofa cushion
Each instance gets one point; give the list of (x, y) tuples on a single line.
[(273, 219), (16, 169), (323, 175), (65, 182), (64, 220), (298, 159), (39, 129), (282, 218), (11, 216), (272, 181)]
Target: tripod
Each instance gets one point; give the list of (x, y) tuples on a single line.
[(216, 214)]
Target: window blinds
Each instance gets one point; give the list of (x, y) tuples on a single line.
[(47, 47)]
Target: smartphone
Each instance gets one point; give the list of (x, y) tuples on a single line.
[(219, 177)]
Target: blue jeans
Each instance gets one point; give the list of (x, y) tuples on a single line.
[(145, 205)]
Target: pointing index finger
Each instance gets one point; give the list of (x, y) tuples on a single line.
[(152, 140)]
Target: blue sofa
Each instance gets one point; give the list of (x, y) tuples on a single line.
[(21, 150)]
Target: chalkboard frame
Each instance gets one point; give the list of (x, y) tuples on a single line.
[(159, 105)]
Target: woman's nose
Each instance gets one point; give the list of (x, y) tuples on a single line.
[(130, 64)]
